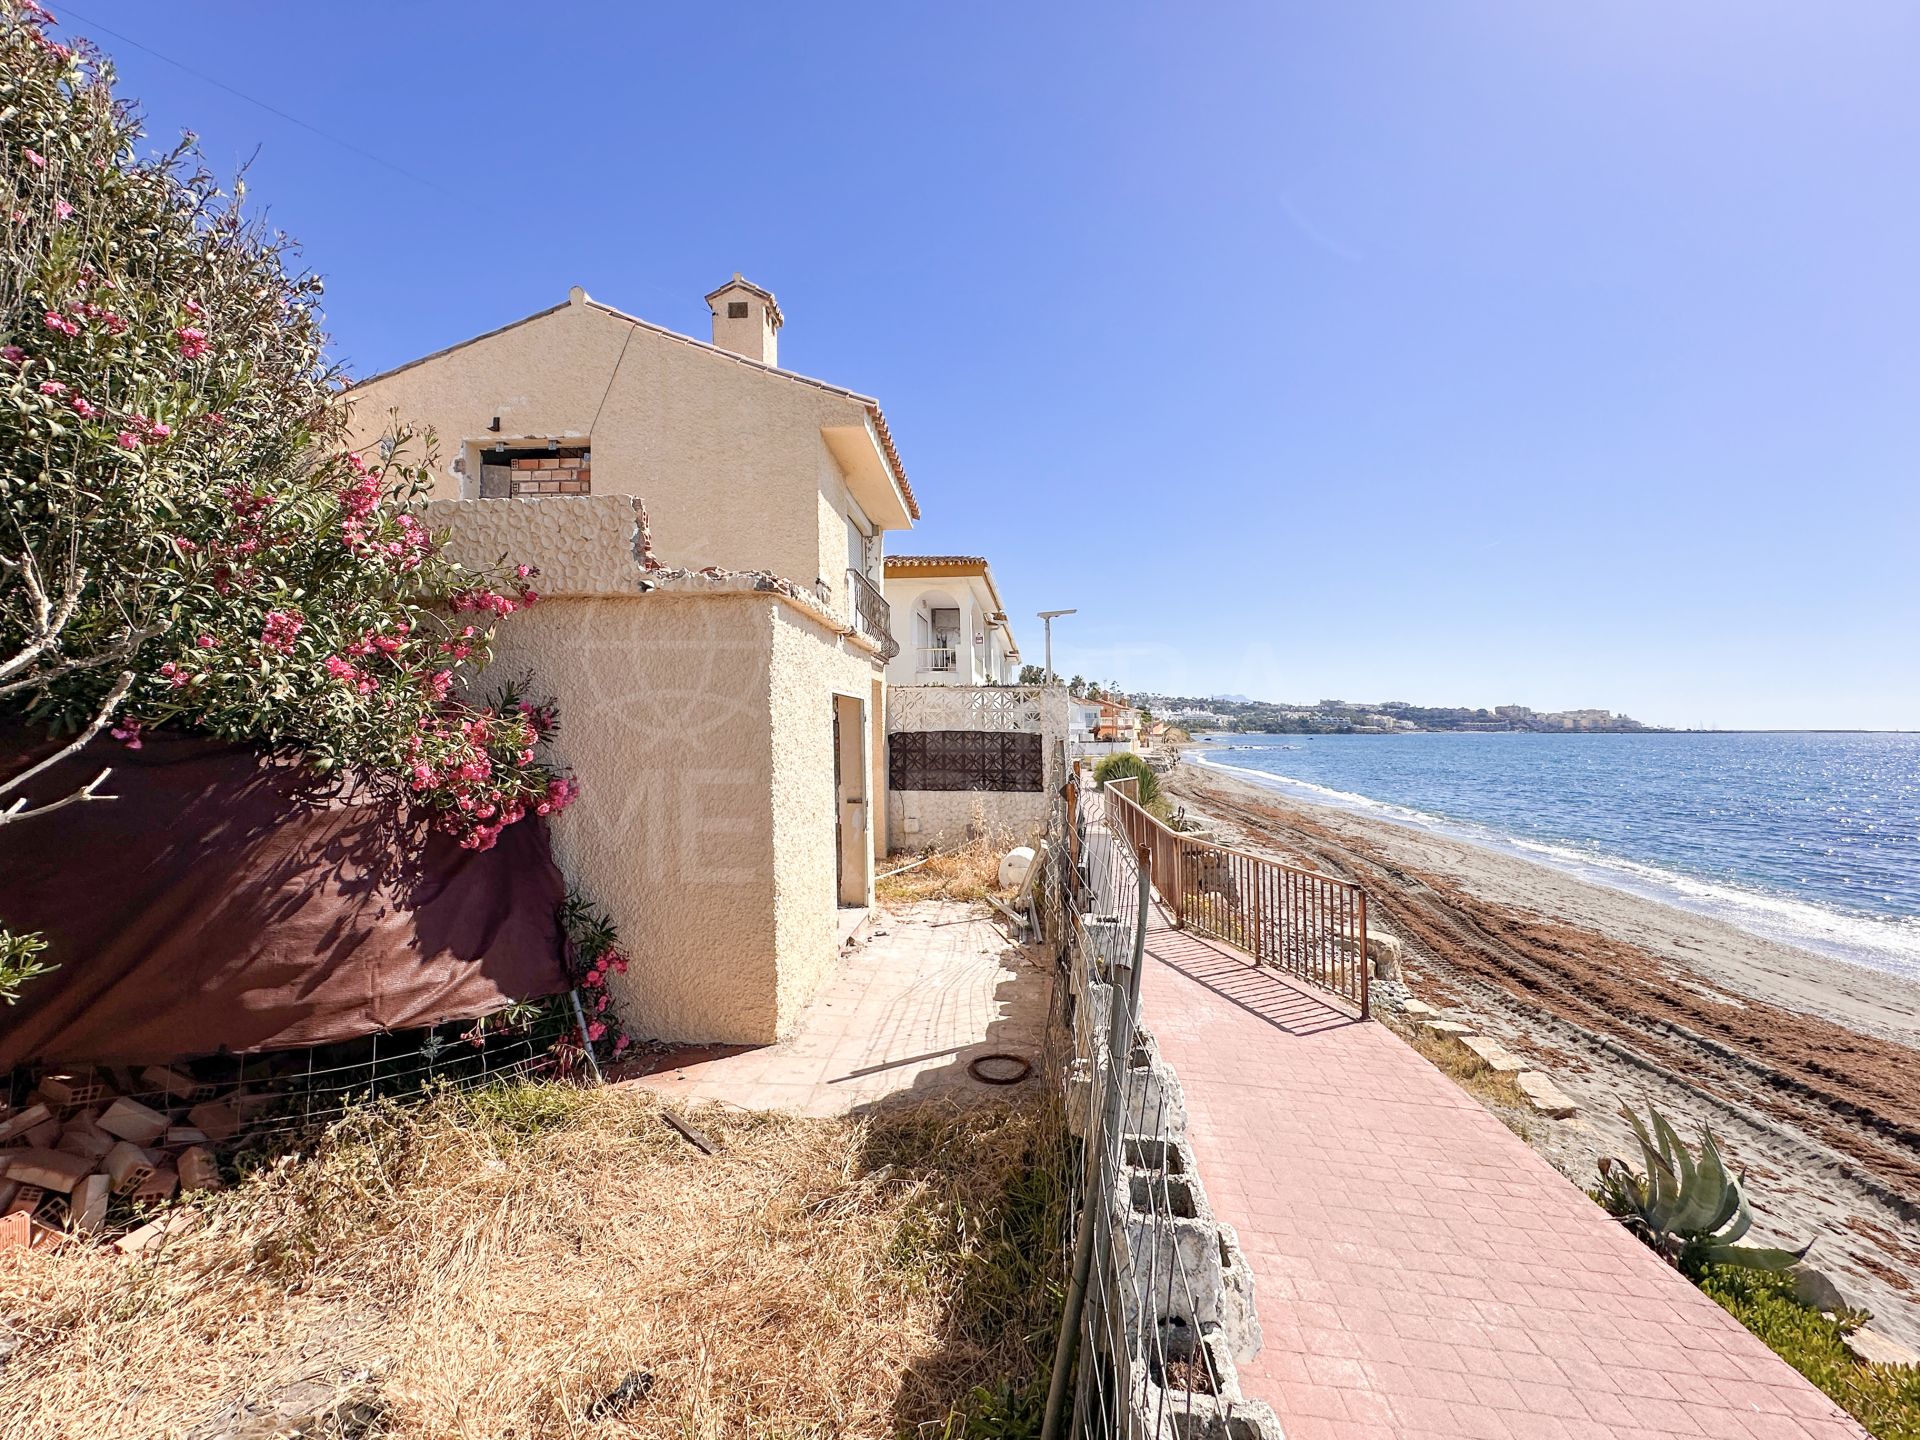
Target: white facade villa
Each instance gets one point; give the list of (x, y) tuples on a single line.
[(1096, 728), (950, 624)]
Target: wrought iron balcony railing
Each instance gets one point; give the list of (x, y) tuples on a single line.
[(872, 616)]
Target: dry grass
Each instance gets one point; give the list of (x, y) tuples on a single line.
[(1467, 1070), (490, 1265), (971, 872)]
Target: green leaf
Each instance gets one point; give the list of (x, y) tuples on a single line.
[(1754, 1257), (1713, 1174)]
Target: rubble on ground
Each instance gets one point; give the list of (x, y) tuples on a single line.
[(88, 1135)]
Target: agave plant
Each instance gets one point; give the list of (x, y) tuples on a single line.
[(1685, 1207)]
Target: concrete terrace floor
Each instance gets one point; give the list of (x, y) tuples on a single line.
[(1418, 1270), (930, 987)]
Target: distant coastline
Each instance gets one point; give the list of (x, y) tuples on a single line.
[(1238, 715)]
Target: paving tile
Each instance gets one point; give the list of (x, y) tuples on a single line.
[(899, 1017), (1480, 1295)]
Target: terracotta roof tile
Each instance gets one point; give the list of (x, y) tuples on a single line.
[(920, 562)]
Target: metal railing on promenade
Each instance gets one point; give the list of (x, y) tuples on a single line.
[(1306, 924)]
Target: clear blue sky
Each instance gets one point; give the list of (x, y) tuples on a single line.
[(1448, 352)]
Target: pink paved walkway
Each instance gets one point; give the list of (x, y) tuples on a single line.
[(1419, 1272)]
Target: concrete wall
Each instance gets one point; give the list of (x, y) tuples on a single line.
[(729, 455), (806, 675), (663, 713), (699, 723), (917, 819)]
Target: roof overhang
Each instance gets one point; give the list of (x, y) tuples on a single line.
[(956, 567), (871, 478)]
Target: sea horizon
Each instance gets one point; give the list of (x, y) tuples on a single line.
[(1813, 844)]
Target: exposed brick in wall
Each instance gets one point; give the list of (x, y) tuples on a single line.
[(560, 473)]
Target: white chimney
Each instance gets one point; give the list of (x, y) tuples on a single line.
[(746, 320)]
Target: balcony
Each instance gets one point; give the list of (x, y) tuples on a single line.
[(937, 660), (872, 616)]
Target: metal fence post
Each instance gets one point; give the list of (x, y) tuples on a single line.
[(1179, 896), (1366, 960)]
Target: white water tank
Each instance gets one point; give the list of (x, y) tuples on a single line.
[(1014, 866)]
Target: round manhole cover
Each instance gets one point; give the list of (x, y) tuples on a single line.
[(999, 1069)]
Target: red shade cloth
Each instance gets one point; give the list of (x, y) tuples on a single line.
[(232, 901)]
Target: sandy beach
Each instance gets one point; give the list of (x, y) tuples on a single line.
[(1806, 1068)]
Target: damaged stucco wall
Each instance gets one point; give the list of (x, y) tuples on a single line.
[(696, 711)]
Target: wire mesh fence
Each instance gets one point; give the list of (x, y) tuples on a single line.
[(288, 1093), (1159, 1298)]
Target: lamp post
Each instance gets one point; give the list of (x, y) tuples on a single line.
[(1047, 618)]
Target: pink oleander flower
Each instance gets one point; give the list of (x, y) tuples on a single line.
[(439, 683), (34, 158), (52, 387), (60, 324), (562, 791), (192, 307), (174, 675), (83, 407), (596, 1030), (127, 440), (127, 732), (621, 1043), (159, 431), (207, 642), (339, 669), (62, 210), (13, 355), (482, 598), (280, 629), (193, 343), (593, 979)]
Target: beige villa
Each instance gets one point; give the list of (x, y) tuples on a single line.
[(709, 530)]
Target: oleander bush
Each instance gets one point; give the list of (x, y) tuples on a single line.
[(184, 538)]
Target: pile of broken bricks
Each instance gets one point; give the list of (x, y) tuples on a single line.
[(81, 1139), (1536, 1087)]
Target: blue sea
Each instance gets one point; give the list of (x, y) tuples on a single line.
[(1812, 839)]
